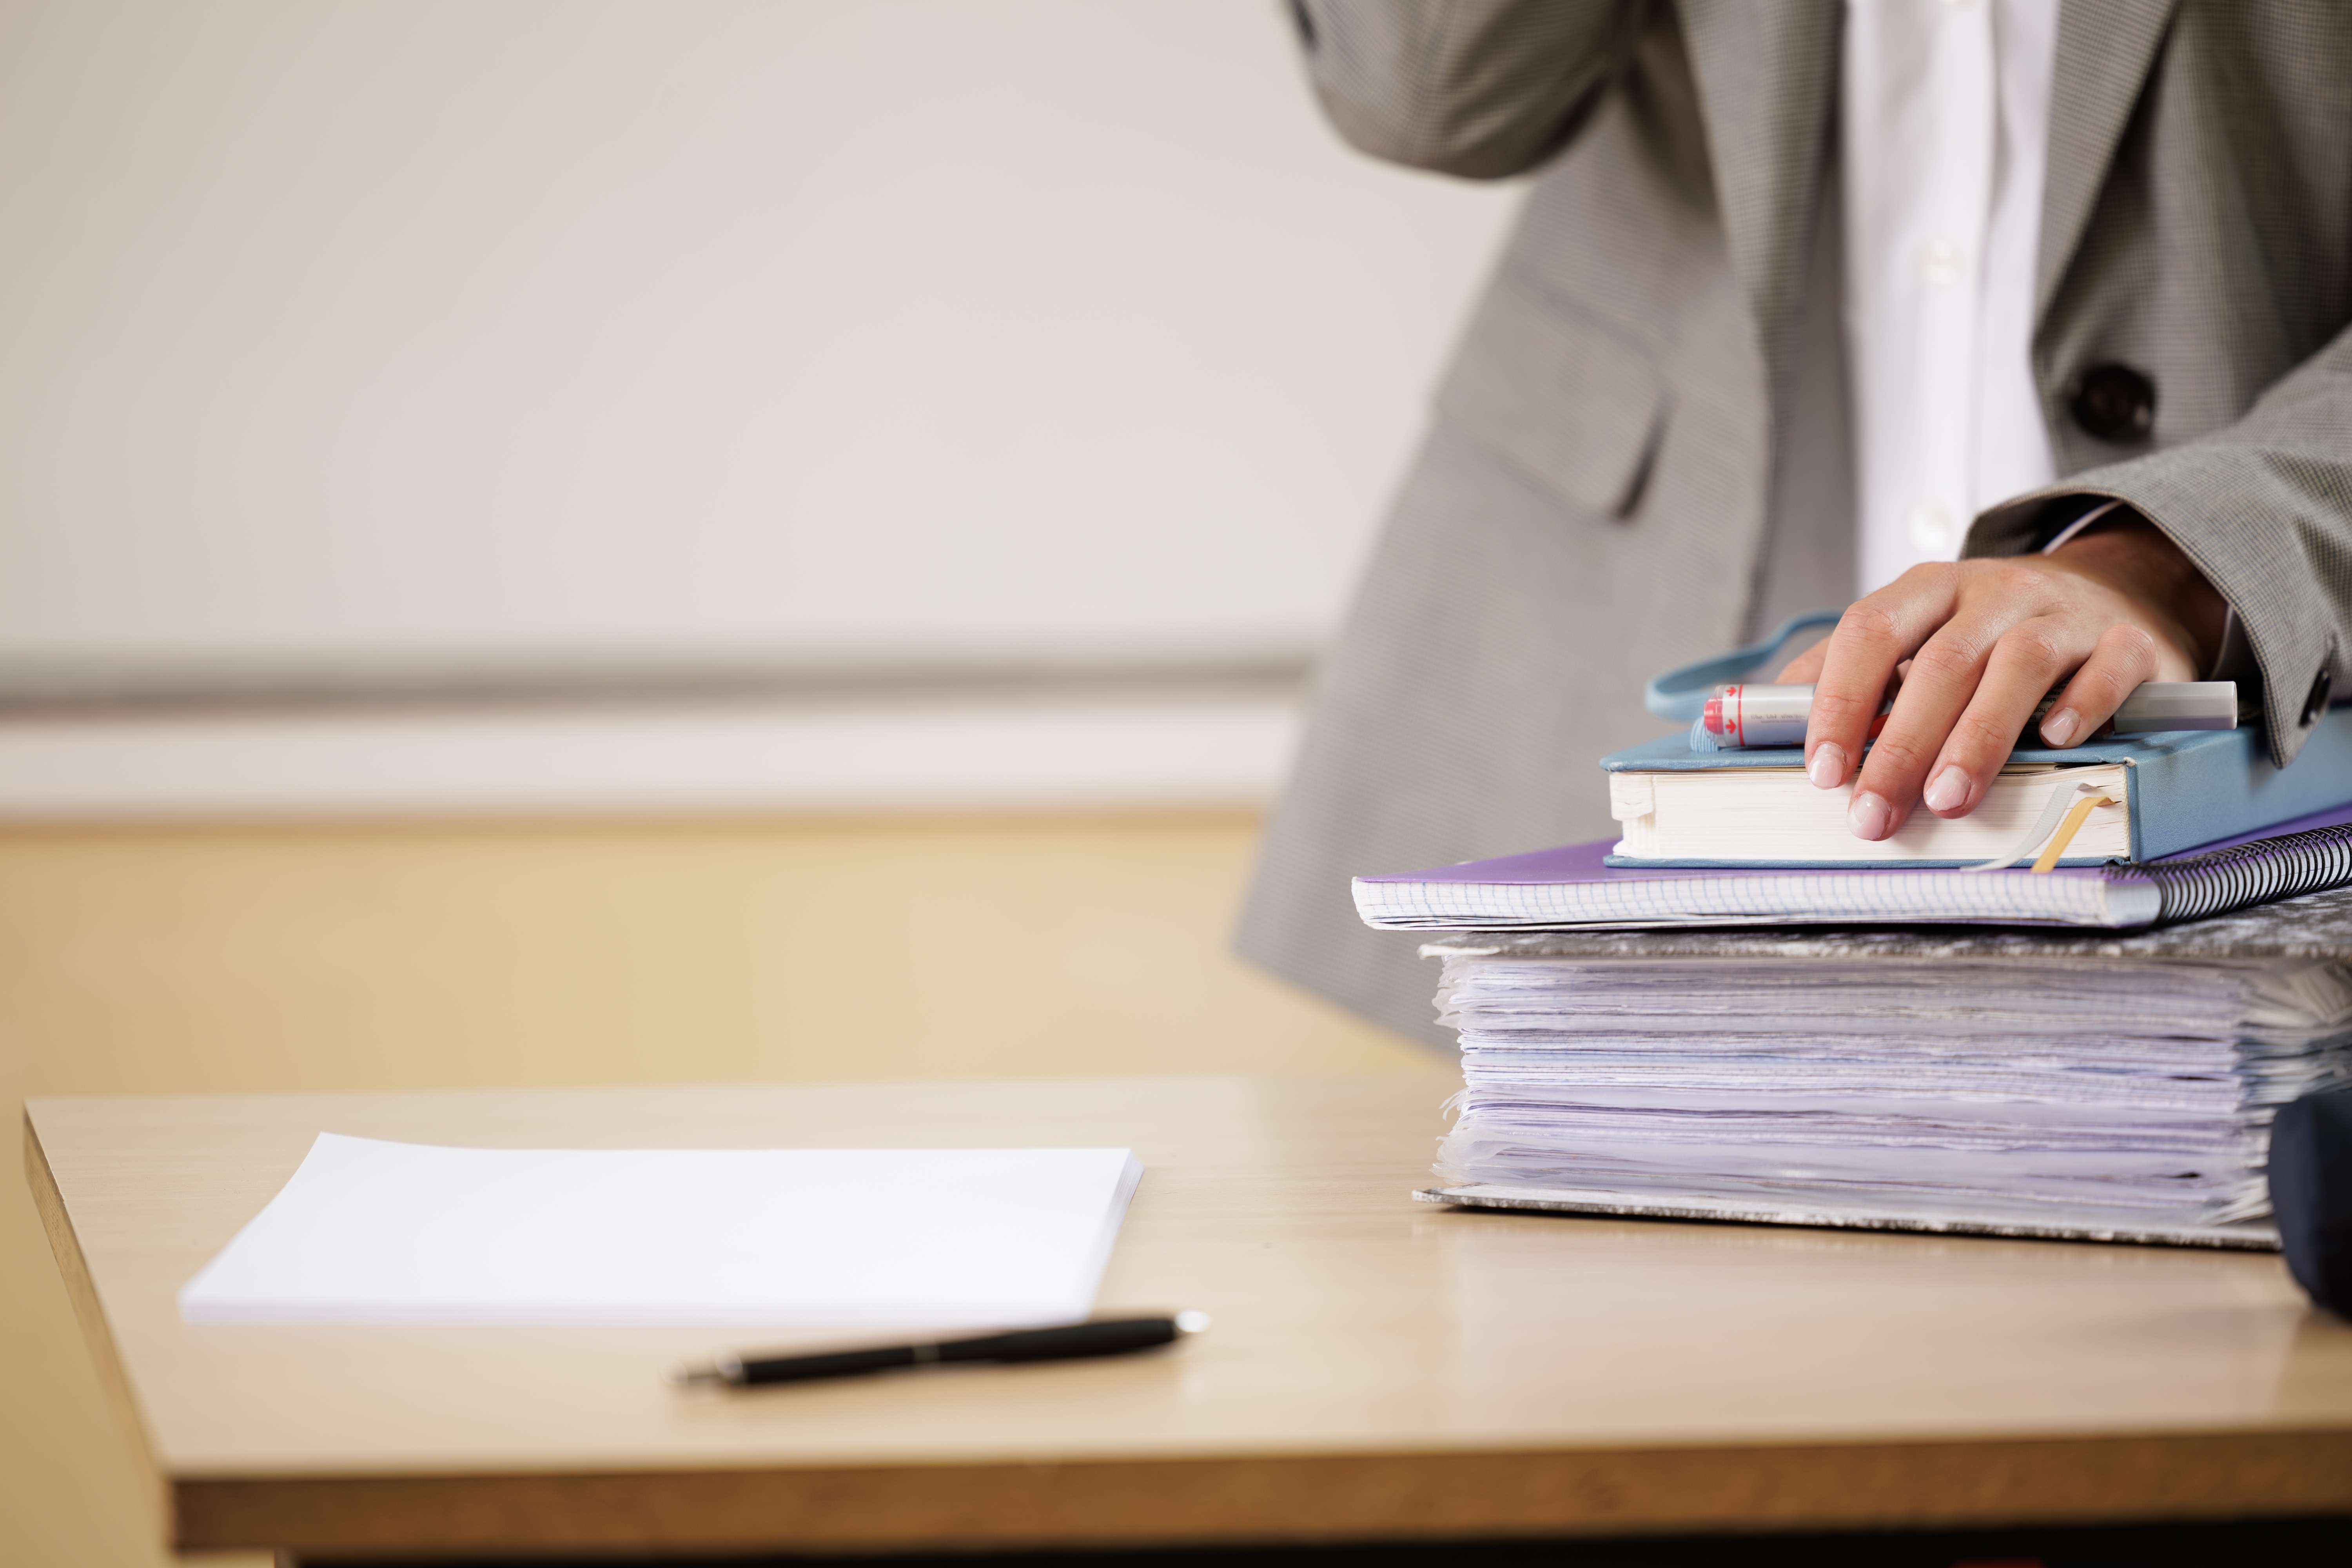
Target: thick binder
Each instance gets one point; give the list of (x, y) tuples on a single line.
[(2086, 1086)]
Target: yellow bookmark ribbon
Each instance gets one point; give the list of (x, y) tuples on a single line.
[(2069, 826)]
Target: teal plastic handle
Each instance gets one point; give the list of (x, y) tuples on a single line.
[(1680, 694)]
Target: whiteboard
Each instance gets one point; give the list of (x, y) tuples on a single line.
[(421, 334)]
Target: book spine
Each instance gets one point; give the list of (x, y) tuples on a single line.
[(2191, 789), (2197, 886)]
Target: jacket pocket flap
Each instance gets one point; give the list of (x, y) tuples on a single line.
[(1568, 402)]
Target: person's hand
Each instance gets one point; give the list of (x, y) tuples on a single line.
[(1985, 641)]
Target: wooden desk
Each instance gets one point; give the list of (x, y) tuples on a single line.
[(1379, 1369)]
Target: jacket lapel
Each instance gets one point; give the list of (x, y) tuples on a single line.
[(1767, 74), (2105, 49)]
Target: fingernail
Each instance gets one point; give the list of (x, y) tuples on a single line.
[(1827, 768), (1869, 816), (2060, 727), (1949, 791)]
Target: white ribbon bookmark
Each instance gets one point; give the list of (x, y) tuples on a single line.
[(2051, 814)]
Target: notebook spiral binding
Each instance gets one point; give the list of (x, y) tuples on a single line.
[(2245, 875)]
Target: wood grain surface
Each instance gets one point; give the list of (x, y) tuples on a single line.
[(1378, 1369)]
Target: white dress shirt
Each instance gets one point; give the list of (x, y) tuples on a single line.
[(1945, 134)]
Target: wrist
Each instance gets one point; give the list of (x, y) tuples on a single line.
[(2134, 558)]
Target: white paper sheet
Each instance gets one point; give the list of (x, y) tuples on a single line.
[(374, 1232)]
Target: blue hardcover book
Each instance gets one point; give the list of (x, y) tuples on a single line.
[(2172, 792)]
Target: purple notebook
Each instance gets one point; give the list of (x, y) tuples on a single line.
[(1572, 885)]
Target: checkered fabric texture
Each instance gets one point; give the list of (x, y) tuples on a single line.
[(1592, 503)]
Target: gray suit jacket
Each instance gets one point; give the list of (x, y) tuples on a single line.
[(1594, 502)]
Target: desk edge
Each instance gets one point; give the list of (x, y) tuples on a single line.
[(89, 1312), (2147, 1477)]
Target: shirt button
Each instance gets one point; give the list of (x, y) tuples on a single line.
[(1939, 261), (1930, 527)]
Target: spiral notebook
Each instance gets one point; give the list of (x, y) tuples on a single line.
[(1575, 887)]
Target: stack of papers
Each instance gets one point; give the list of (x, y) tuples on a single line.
[(373, 1232), (2037, 1092)]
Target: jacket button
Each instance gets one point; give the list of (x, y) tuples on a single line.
[(2114, 402), (2316, 705)]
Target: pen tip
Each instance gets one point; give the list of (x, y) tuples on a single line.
[(682, 1375), (1192, 1321)]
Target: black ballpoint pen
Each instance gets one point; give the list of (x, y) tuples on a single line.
[(1114, 1336)]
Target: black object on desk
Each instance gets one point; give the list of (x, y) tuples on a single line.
[(1075, 1341), (2311, 1194)]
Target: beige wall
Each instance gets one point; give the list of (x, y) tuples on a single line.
[(408, 337), (189, 960)]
